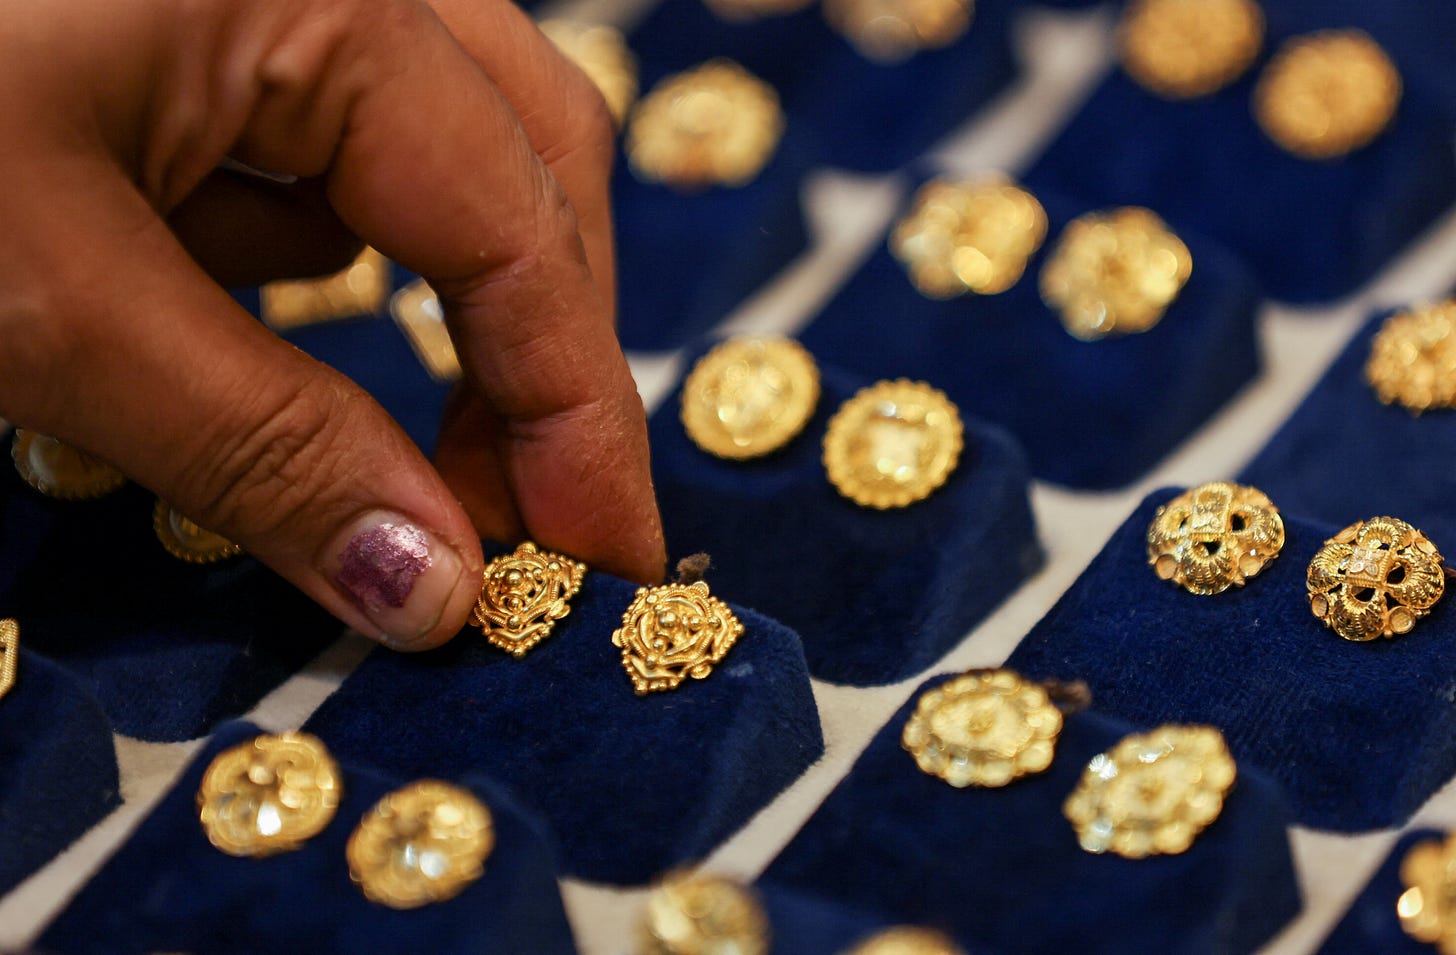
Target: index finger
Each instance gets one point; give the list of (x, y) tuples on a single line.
[(459, 195)]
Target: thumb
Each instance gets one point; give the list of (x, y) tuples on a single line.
[(160, 373)]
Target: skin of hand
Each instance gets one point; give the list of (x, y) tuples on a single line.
[(453, 138)]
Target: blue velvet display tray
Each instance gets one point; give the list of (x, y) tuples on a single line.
[(877, 596), (167, 648), (1089, 414), (1312, 231), (60, 775), (1359, 734), (1001, 868), (1370, 924), (1343, 456), (687, 259), (169, 890), (846, 110), (632, 786), (803, 924)]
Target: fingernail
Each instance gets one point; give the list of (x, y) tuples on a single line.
[(398, 574)]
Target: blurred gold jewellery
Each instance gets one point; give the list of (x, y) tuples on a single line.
[(1413, 358), (890, 31), (1375, 578), (418, 314), (525, 593), (184, 540), (892, 444), (58, 470), (1114, 273), (9, 654), (1214, 537), (601, 53), (423, 843), (1152, 793), (984, 728), (688, 914), (359, 289), (1180, 49), (749, 396), (906, 940), (673, 632), (971, 236), (1327, 94), (1427, 908), (715, 125), (268, 795)]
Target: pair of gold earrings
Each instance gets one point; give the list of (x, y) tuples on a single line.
[(1323, 95), (420, 844), (1375, 578), (669, 633), (1151, 794), (1113, 272), (888, 446)]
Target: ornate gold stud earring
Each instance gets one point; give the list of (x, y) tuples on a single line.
[(1181, 49), (58, 470), (525, 593), (601, 53), (424, 843), (1152, 793), (892, 444), (890, 31), (1375, 578), (690, 914), (984, 728), (716, 125), (749, 397), (1327, 94), (185, 540), (1413, 358), (1214, 537), (673, 632), (1427, 908), (1114, 273), (9, 654), (268, 795), (359, 289), (973, 236)]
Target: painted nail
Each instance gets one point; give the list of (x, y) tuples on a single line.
[(398, 574)]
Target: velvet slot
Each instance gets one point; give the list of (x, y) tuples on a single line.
[(167, 648), (1089, 414), (632, 786), (1344, 457), (60, 775), (685, 259), (1358, 734), (1370, 923), (876, 596), (1001, 870), (168, 890)]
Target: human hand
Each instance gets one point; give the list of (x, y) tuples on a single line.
[(458, 143)]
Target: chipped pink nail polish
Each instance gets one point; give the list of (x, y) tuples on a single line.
[(380, 564), (400, 575)]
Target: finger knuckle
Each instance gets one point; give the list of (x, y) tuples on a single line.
[(265, 475)]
